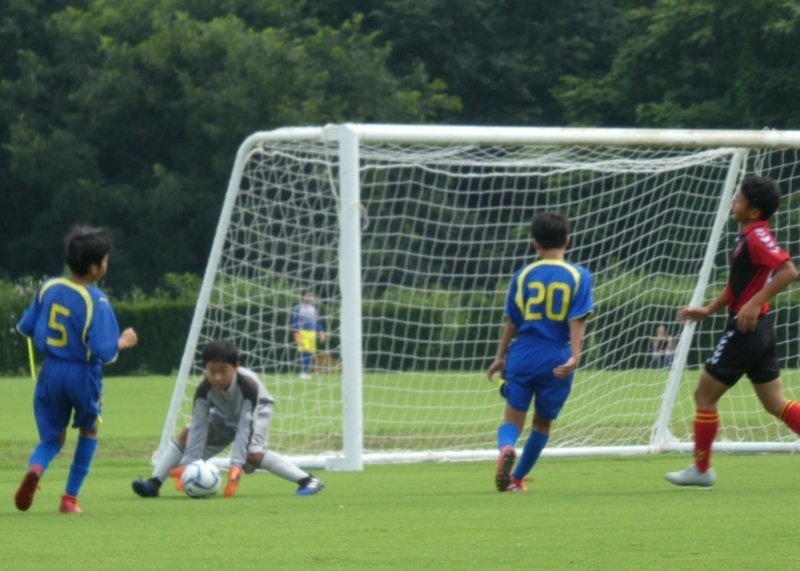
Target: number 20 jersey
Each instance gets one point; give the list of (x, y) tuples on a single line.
[(544, 296)]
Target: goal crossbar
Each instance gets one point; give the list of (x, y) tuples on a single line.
[(410, 234)]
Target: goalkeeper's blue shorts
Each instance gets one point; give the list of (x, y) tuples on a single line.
[(530, 379)]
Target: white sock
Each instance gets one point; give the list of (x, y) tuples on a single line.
[(168, 460), (279, 466)]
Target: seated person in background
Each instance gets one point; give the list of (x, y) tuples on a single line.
[(662, 349)]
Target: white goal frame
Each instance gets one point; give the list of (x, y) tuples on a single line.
[(349, 138)]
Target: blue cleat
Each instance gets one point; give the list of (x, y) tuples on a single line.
[(144, 488), (309, 486)]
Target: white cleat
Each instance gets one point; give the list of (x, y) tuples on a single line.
[(691, 476)]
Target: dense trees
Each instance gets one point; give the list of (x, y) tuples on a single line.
[(128, 113)]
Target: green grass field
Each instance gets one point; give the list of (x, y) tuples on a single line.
[(587, 513)]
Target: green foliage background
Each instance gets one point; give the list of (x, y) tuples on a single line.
[(128, 113)]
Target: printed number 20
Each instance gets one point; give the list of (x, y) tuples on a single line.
[(546, 298), (59, 340)]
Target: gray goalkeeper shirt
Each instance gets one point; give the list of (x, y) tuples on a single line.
[(241, 412)]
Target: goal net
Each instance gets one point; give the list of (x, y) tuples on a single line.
[(408, 237)]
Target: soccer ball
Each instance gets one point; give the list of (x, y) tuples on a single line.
[(201, 479)]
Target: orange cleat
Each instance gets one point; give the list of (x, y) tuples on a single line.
[(516, 485), (27, 488), (69, 505)]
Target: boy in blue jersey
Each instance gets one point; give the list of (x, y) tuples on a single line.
[(306, 327), (546, 310), (72, 324)]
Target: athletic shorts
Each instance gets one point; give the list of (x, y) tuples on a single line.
[(222, 432), (64, 387), (529, 377), (754, 353), (308, 341)]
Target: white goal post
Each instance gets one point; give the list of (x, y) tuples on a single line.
[(408, 236)]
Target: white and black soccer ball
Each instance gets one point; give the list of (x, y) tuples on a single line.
[(201, 479)]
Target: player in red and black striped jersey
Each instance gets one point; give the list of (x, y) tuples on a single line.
[(759, 269)]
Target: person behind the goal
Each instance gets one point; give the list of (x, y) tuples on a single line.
[(306, 326), (546, 309), (759, 269), (231, 406)]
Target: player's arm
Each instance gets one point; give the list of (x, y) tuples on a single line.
[(747, 318), (499, 363), (244, 430), (701, 313), (577, 331)]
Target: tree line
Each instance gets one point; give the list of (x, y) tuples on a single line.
[(128, 114)]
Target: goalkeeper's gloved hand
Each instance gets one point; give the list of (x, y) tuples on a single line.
[(176, 473), (234, 475)]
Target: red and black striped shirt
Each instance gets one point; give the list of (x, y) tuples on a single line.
[(756, 256)]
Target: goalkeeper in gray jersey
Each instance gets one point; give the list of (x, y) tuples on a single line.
[(231, 407)]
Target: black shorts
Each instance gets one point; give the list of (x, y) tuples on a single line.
[(754, 353)]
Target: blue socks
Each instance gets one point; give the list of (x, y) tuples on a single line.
[(306, 359), (44, 453), (84, 452), (507, 435), (530, 454)]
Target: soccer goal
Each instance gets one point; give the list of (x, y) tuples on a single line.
[(408, 236)]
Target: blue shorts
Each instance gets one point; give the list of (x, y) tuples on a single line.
[(529, 377), (64, 387)]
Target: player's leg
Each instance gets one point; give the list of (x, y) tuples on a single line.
[(550, 396), (736, 353), (79, 469), (85, 396), (507, 435), (305, 365), (258, 456), (537, 440), (766, 379), (706, 424), (168, 460), (52, 412), (771, 396), (273, 462)]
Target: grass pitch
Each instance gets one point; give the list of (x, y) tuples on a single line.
[(581, 513)]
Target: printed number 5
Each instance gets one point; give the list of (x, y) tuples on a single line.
[(59, 340)]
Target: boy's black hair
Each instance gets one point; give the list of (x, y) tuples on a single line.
[(762, 193), (222, 351), (84, 246), (550, 230)]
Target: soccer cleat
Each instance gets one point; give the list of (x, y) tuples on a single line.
[(691, 476), (516, 485), (309, 486), (305, 377), (144, 488), (69, 505), (504, 464), (27, 488)]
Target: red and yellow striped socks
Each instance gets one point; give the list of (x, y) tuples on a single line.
[(706, 424), (791, 415)]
